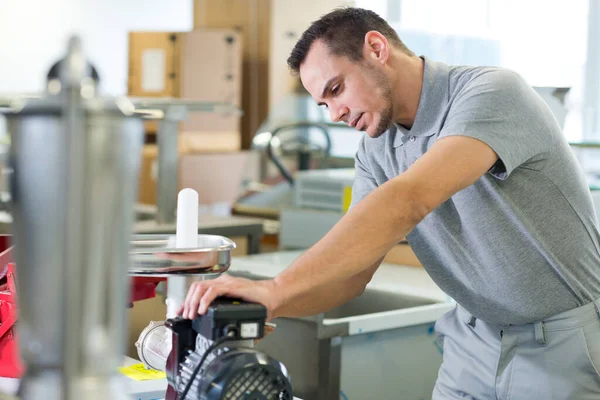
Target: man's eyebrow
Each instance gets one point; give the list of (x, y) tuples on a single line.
[(326, 88), (327, 85)]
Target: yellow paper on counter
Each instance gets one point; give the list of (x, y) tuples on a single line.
[(140, 373)]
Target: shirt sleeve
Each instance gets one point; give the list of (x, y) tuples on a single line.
[(364, 182), (500, 109)]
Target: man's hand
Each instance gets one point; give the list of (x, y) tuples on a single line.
[(202, 294), (266, 292)]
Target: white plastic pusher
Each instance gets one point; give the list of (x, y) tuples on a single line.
[(187, 219), (186, 236)]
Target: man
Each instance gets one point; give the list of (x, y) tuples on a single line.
[(470, 166)]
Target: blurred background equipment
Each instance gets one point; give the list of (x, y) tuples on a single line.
[(296, 136)]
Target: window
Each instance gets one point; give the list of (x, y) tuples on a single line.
[(546, 42)]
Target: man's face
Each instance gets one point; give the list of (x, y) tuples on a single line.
[(358, 93)]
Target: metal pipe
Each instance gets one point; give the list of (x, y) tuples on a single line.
[(168, 154), (72, 73)]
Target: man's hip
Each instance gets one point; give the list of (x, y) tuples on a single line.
[(558, 358)]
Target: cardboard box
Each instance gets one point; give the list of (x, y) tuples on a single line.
[(210, 142), (147, 182), (154, 64), (211, 71), (216, 175), (252, 19), (203, 65)]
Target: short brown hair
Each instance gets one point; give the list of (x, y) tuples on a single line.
[(343, 30)]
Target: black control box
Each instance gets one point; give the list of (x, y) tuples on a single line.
[(238, 319)]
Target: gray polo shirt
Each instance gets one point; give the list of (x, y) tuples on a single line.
[(521, 243)]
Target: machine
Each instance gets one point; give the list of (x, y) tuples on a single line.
[(209, 360), (319, 200), (295, 137), (184, 348), (73, 188)]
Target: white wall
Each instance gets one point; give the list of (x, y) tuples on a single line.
[(33, 34)]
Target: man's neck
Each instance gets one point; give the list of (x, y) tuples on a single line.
[(407, 88)]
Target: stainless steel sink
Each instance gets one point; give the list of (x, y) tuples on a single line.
[(380, 345), (375, 301), (374, 310), (380, 328), (371, 301)]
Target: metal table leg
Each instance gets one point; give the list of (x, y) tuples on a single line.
[(168, 155)]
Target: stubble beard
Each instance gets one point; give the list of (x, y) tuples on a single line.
[(384, 90)]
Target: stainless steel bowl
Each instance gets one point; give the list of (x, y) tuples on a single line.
[(156, 255)]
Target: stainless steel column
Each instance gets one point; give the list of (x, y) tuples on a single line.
[(168, 165)]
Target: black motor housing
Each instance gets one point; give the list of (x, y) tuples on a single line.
[(236, 372)]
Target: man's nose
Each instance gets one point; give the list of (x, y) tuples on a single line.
[(338, 113)]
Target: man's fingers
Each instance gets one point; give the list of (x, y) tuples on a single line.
[(202, 293), (188, 299), (207, 298), (195, 300), (210, 295), (269, 329)]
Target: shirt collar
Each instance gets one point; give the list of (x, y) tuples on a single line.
[(433, 101)]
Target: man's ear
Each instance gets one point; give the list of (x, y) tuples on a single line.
[(376, 47)]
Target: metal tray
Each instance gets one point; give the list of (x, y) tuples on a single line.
[(156, 255)]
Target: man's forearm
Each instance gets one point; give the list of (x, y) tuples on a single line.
[(367, 232), (363, 236), (326, 297)]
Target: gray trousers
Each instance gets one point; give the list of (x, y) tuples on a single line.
[(555, 359)]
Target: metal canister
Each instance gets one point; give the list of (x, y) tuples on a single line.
[(75, 158)]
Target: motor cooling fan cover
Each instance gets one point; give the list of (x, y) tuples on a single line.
[(242, 374)]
